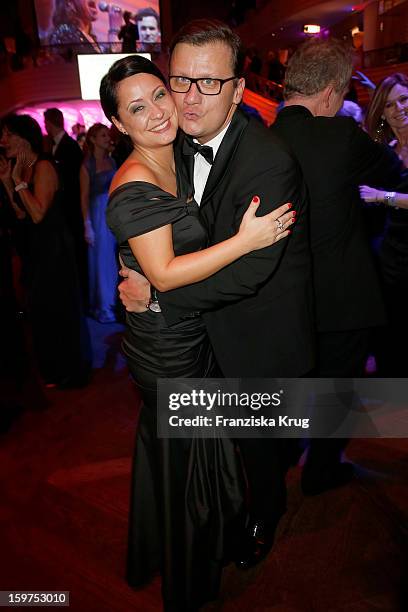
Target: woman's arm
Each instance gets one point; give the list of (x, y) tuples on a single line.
[(37, 203), (155, 254), (84, 183), (377, 196)]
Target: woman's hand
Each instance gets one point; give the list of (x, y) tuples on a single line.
[(261, 232), (89, 233), (5, 169), (19, 170), (368, 194)]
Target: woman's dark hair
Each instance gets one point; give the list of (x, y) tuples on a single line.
[(120, 70), (26, 127)]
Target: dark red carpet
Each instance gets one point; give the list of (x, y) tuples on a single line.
[(64, 473)]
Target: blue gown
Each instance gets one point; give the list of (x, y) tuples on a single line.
[(102, 258)]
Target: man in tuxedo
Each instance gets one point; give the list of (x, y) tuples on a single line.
[(336, 156), (258, 310), (68, 157)]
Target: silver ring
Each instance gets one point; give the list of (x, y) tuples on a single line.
[(279, 224)]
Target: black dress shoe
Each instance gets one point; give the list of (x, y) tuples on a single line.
[(256, 544), (316, 480)]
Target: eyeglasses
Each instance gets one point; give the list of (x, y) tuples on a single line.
[(207, 85)]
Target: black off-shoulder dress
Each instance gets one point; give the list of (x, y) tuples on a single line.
[(185, 493)]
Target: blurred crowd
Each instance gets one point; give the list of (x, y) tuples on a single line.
[(58, 258)]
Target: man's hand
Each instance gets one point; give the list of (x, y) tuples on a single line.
[(134, 290)]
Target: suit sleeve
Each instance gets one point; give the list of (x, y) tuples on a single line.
[(280, 183)]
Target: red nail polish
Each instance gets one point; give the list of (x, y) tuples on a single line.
[(290, 205), (294, 213), (255, 199)]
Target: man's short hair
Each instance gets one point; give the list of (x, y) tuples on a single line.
[(315, 65), (148, 12), (54, 116), (201, 32)]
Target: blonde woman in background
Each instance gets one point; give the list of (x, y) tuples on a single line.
[(96, 175)]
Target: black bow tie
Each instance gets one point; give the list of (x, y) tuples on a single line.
[(191, 148)]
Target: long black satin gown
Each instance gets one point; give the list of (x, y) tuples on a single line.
[(60, 334), (185, 493)]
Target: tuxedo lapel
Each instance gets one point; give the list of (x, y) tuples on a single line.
[(185, 163), (184, 168), (225, 153)]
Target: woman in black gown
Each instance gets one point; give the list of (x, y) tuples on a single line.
[(185, 493), (60, 336)]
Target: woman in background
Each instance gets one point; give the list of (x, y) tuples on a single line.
[(72, 20), (387, 122), (31, 182), (96, 175)]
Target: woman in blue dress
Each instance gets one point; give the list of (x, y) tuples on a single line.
[(96, 175)]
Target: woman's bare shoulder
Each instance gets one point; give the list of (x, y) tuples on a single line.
[(131, 171), (44, 168), (45, 165)]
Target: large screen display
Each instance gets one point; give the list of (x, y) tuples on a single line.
[(91, 70), (90, 26)]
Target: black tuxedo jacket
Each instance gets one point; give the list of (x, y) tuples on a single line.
[(68, 158), (257, 310), (336, 156)]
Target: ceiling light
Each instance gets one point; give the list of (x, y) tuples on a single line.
[(311, 29)]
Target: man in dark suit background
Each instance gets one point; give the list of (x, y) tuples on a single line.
[(336, 156), (68, 157), (128, 34), (258, 310)]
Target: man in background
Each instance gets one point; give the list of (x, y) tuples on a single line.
[(148, 24), (336, 156), (68, 157), (128, 34)]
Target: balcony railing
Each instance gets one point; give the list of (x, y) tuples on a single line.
[(388, 55), (54, 54), (264, 87)]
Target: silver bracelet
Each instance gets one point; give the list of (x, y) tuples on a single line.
[(20, 186), (389, 198)]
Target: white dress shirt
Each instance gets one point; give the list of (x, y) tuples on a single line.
[(57, 139), (201, 166)]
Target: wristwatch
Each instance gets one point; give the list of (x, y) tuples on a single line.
[(389, 198), (20, 186)]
